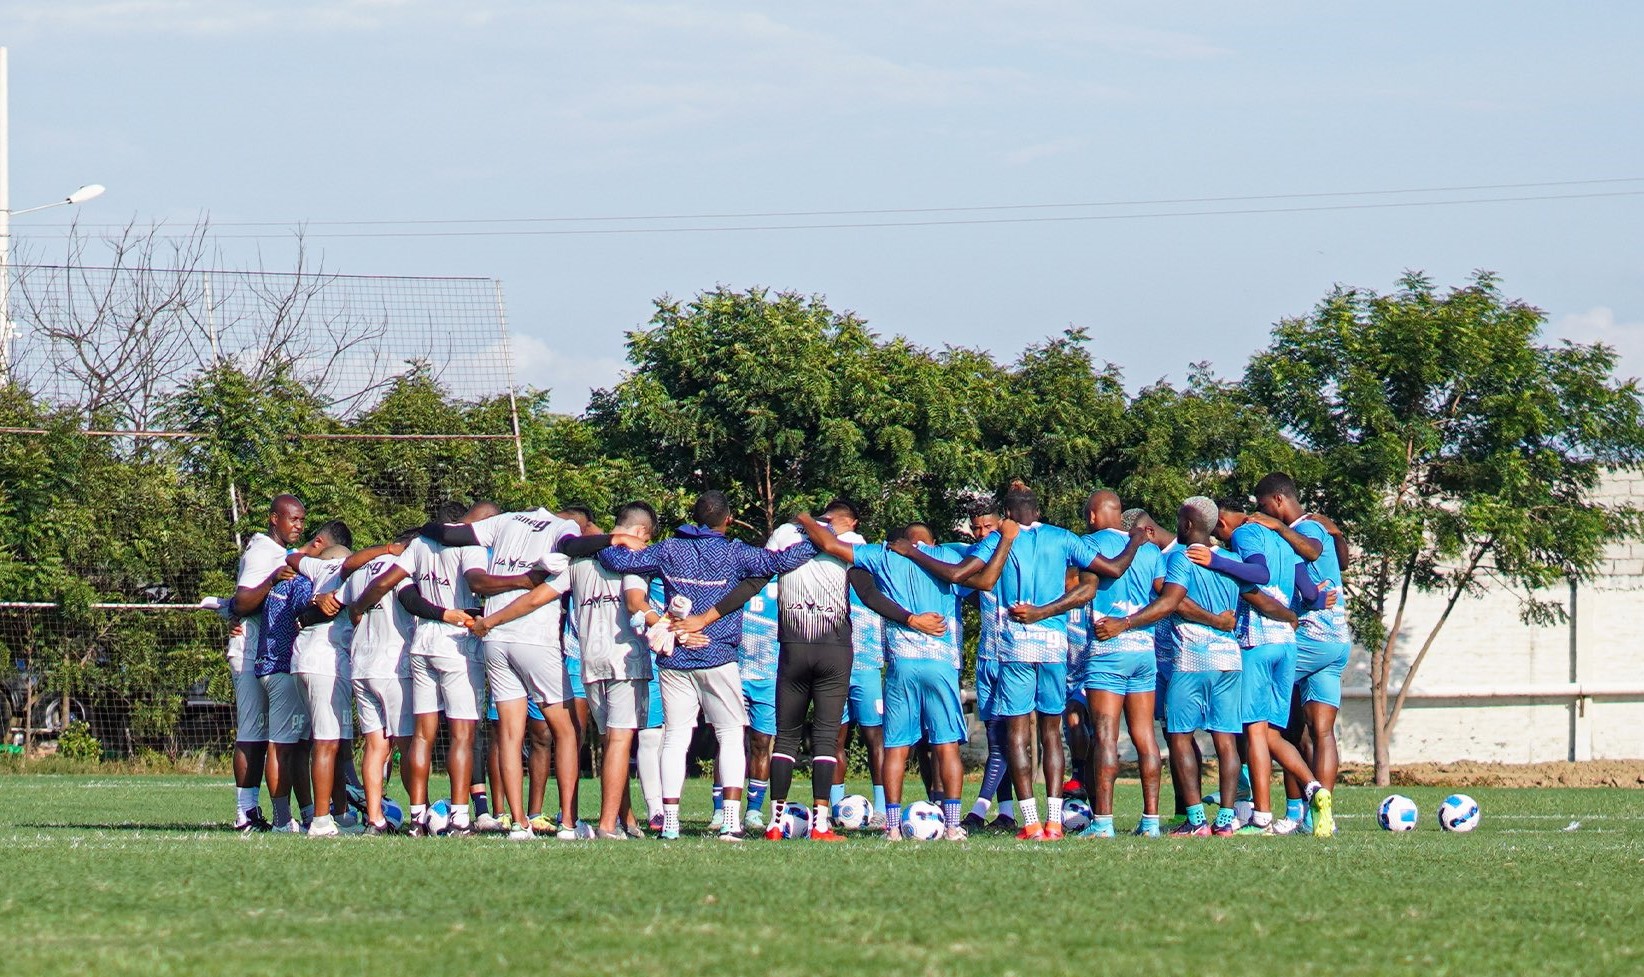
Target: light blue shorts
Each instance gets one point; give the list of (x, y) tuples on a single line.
[(760, 698), (1269, 672), (573, 669), (1025, 687), (653, 715), (1122, 673), (922, 702), (532, 710), (1318, 670), (865, 703), (987, 688), (1203, 700)]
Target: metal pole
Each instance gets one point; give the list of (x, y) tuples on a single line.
[(508, 362), (5, 226)]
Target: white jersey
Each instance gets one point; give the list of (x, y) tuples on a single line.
[(318, 648), (520, 542), (261, 558), (437, 572), (813, 602), (610, 648), (379, 646)]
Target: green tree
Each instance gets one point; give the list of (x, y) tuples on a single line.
[(1453, 446)]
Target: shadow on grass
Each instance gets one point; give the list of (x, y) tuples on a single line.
[(217, 828)]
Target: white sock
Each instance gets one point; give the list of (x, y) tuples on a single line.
[(459, 815), (419, 812), (777, 810), (1312, 788), (323, 820), (980, 809), (819, 820), (733, 815), (670, 818), (1053, 810), (1261, 819), (246, 797), (1029, 808)]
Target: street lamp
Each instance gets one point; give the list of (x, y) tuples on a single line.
[(80, 196)]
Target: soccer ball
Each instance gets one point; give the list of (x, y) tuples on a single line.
[(796, 821), (1458, 813), (438, 816), (1076, 815), (923, 821), (393, 813), (853, 812), (1398, 813)]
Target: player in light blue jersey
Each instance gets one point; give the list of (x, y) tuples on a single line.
[(1204, 691), (996, 781), (864, 706), (756, 660)]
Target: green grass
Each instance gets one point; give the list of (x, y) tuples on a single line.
[(133, 874)]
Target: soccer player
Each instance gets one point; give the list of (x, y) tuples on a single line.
[(702, 565), (1033, 651), (447, 672), (1204, 689), (1164, 654), (320, 664), (1121, 674), (864, 705), (520, 635), (756, 662), (648, 749), (381, 677), (922, 686), (984, 522), (262, 565)]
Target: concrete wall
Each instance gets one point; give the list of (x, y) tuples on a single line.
[(1484, 649)]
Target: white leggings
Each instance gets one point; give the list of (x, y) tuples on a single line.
[(731, 768), (650, 770)]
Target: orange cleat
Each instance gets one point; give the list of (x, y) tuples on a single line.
[(773, 833), (828, 835), (1031, 832), (1052, 832)]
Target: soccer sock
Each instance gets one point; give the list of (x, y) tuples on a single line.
[(879, 797), (307, 813), (950, 812), (756, 794), (670, 818), (994, 773), (1244, 783), (1029, 806), (1261, 819), (980, 808), (819, 819), (1295, 808), (1150, 823), (1103, 823), (893, 817), (418, 813), (733, 816), (1053, 810), (482, 804), (246, 797), (1195, 814), (1224, 817), (1007, 809), (282, 811), (822, 769), (323, 821), (836, 793), (719, 797), (459, 815), (779, 807), (1313, 787)]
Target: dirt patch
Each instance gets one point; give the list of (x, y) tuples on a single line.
[(1593, 773)]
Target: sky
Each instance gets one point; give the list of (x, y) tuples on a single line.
[(1071, 120)]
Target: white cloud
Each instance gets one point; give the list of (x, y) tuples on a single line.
[(1600, 325), (568, 375)]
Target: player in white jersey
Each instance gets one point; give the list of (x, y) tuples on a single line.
[(380, 670), (447, 674), (320, 664)]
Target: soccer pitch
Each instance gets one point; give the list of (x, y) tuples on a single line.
[(139, 875)]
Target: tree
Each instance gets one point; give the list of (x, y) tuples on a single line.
[(1455, 448)]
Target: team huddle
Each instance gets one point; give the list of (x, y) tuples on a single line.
[(543, 627)]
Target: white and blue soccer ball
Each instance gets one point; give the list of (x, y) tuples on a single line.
[(393, 813), (853, 812), (1398, 813), (438, 815), (923, 821), (796, 821), (1458, 813), (1076, 815)]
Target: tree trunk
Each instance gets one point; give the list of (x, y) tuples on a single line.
[(1381, 673)]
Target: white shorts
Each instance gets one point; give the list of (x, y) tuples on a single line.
[(449, 685), (330, 704), (250, 706), (619, 703), (714, 692), (287, 709), (517, 670), (384, 705)]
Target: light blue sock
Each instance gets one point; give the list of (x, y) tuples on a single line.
[(719, 797), (1295, 808), (878, 797), (1224, 817), (950, 812), (836, 793), (1103, 823), (1150, 823), (893, 817), (1195, 814), (756, 794), (1244, 783)]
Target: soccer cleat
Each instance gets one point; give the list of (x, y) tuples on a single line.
[(656, 822), (773, 833), (1175, 822), (893, 835), (956, 834), (488, 824), (732, 836), (717, 821), (457, 831), (1003, 824), (668, 834), (754, 820), (600, 834), (633, 830), (1284, 826), (505, 823), (1146, 831), (1324, 818), (1074, 790), (1052, 831), (876, 821), (521, 832), (972, 822), (292, 827), (1031, 832), (1188, 829), (323, 828), (1094, 830), (1224, 830), (1253, 829), (252, 822), (565, 832), (828, 835), (542, 823), (379, 830)]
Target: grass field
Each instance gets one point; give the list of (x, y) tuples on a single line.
[(137, 875)]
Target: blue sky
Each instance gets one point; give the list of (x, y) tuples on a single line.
[(359, 110)]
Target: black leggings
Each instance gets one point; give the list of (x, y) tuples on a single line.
[(809, 675)]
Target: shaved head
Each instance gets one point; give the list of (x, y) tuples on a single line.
[(1103, 510), (481, 510)]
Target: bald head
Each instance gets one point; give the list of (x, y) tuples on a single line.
[(1103, 511)]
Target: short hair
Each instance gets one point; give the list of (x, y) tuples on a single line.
[(627, 515), (450, 511), (405, 537), (1204, 511), (712, 508), (335, 551), (903, 532), (1278, 483), (338, 533), (842, 505), (586, 513), (982, 507), (1131, 517), (1232, 503), (1018, 498)]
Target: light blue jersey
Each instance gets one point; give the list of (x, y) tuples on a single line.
[(1035, 572), (867, 637), (756, 656), (1129, 593), (1327, 626), (905, 582), (1199, 648), (991, 613), (1253, 629), (956, 553)]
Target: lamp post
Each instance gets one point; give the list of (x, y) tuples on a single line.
[(79, 196)]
